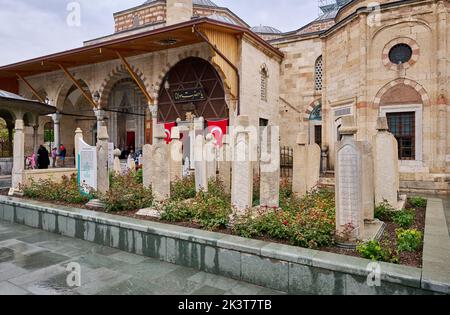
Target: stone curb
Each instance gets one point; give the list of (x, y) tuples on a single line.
[(281, 267), (436, 251)]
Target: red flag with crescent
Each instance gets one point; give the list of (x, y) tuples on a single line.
[(168, 127), (218, 129)]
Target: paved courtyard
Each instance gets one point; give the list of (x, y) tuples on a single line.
[(35, 262)]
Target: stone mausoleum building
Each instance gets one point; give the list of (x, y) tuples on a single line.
[(174, 60)]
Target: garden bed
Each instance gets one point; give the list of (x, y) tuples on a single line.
[(307, 222)]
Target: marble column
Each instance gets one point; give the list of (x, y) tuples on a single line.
[(57, 130), (102, 159), (77, 138), (154, 111), (36, 138), (100, 114), (18, 158)]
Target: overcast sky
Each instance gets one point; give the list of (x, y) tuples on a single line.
[(31, 28)]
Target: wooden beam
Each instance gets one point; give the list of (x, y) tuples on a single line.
[(135, 77), (35, 93), (77, 84)]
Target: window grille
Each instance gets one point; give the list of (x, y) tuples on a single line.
[(319, 74)]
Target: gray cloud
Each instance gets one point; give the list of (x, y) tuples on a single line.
[(31, 28)]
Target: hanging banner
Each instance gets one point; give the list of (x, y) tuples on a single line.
[(87, 167), (189, 95), (218, 129)]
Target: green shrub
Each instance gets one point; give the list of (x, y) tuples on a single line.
[(408, 240), (404, 218), (140, 176), (307, 222), (418, 202), (127, 193), (211, 210), (65, 191), (383, 211), (376, 251), (183, 189)]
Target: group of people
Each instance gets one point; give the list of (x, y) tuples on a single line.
[(43, 156)]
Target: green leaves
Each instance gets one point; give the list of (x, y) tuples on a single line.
[(65, 191), (408, 240), (404, 218), (418, 202), (376, 251), (127, 193)]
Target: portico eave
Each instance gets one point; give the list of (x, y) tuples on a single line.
[(25, 106), (164, 38)]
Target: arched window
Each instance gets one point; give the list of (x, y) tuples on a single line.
[(318, 74), (264, 79), (49, 136)]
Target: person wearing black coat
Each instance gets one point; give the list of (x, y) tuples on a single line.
[(43, 159)]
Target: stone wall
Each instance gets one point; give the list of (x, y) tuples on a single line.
[(358, 73), (285, 268), (253, 61), (297, 90)]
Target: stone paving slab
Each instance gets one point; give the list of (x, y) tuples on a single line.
[(34, 262)]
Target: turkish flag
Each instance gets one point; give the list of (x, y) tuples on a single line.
[(168, 127), (218, 129)]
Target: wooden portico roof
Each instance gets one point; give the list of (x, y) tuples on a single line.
[(151, 41)]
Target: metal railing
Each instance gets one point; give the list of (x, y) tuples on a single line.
[(287, 162)]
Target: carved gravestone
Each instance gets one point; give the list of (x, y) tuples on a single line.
[(306, 169), (386, 168), (210, 157), (349, 183), (201, 179), (147, 165), (176, 156), (270, 167), (102, 160), (242, 170), (160, 166), (225, 163)]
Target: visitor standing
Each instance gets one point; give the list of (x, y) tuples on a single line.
[(62, 155), (43, 159), (54, 156)]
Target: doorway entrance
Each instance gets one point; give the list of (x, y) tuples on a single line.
[(131, 139)]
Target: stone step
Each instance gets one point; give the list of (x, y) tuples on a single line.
[(327, 182)]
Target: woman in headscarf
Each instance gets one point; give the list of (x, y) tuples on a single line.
[(43, 159)]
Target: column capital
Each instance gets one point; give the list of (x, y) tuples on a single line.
[(100, 114), (19, 125), (56, 118), (153, 109)]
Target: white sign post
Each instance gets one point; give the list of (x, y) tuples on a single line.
[(87, 167)]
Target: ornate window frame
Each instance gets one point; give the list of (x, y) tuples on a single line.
[(264, 83), (402, 40), (318, 74)]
